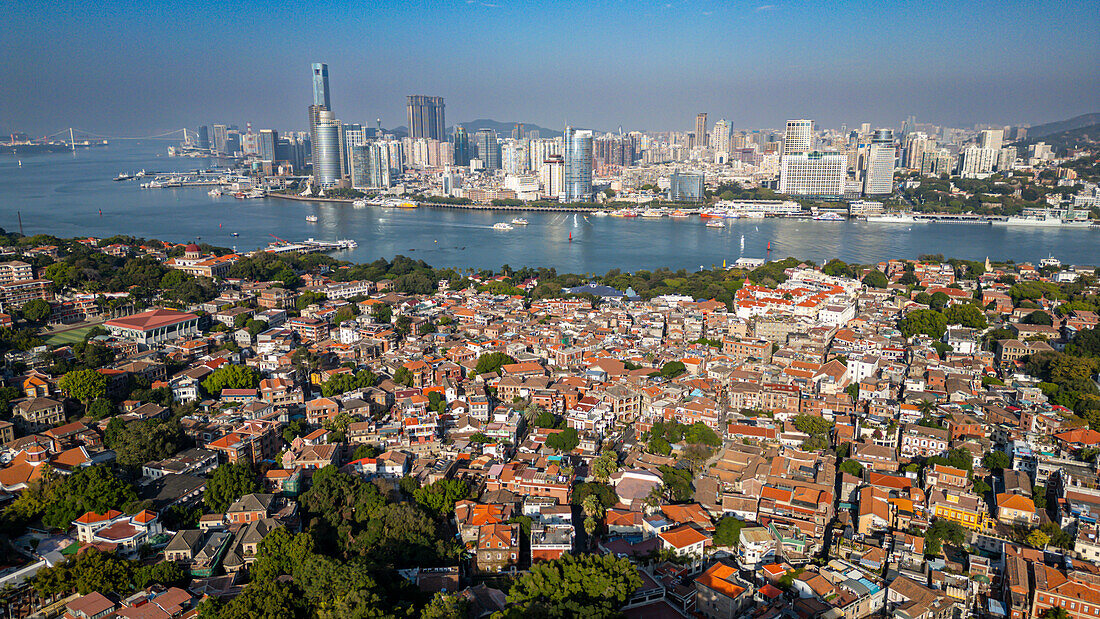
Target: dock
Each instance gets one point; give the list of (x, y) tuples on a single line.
[(310, 246)]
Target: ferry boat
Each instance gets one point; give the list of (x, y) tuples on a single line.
[(679, 214), (122, 176), (519, 221), (601, 213), (713, 213), (360, 203), (502, 225), (255, 193), (715, 224), (896, 218), (214, 193), (311, 219), (236, 234), (1050, 262), (653, 213), (407, 204), (828, 217)]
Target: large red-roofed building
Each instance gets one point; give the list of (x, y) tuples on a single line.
[(155, 326)]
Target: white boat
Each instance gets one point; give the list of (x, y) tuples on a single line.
[(311, 219), (360, 203), (519, 221), (715, 224), (255, 193), (653, 213), (214, 193), (503, 225), (1050, 262), (828, 217), (1034, 221), (900, 218), (600, 213)]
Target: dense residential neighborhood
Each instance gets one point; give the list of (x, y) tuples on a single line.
[(192, 432)]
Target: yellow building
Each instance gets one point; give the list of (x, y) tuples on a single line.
[(966, 509)]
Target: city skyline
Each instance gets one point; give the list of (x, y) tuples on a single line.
[(754, 64)]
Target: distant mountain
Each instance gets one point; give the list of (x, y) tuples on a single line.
[(1077, 122), (1071, 139), (505, 128)]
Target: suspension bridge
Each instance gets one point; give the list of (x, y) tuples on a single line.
[(74, 137)]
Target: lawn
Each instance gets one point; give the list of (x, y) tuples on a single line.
[(68, 337)]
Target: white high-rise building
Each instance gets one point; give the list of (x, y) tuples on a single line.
[(916, 144), (813, 174), (552, 176), (878, 178), (991, 138), (538, 150), (1007, 159), (799, 137), (975, 161), (720, 136)]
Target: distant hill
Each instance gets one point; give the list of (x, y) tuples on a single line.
[(505, 128), (1063, 141), (1077, 122)]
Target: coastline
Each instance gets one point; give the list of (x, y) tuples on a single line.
[(472, 207)]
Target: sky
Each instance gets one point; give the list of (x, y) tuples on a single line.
[(127, 68)]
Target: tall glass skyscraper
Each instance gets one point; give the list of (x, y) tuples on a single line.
[(326, 149), (320, 85), (425, 117), (578, 165), (268, 139), (488, 149), (461, 146)]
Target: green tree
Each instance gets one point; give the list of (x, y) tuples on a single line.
[(672, 369), (604, 466), (677, 483), (587, 585), (812, 425), (84, 385), (566, 440), (228, 483), (851, 467), (966, 315), (1038, 539), (876, 279), (268, 599), (1038, 317), (492, 362), (36, 310), (440, 497), (926, 321), (91, 489), (996, 460), (728, 532), (138, 442), (231, 377), (446, 606)]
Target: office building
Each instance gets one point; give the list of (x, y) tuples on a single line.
[(461, 141), (517, 132), (975, 161), (425, 117), (685, 187), (552, 176), (720, 137), (221, 137), (799, 137), (992, 139), (351, 135), (578, 165), (488, 148), (370, 166), (320, 85), (878, 178), (202, 138), (268, 139), (814, 174), (514, 156), (539, 150), (701, 129), (326, 148)]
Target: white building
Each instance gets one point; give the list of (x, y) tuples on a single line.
[(813, 174), (879, 178), (799, 137), (975, 161)]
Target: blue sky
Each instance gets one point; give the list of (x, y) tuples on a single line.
[(133, 68)]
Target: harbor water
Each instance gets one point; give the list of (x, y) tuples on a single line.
[(64, 193)]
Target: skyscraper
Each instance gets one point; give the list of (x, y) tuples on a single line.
[(879, 178), (578, 165), (799, 137), (488, 149), (461, 142), (720, 137), (425, 117), (268, 139), (326, 148), (819, 175), (701, 129), (202, 139), (991, 138), (221, 137), (320, 85)]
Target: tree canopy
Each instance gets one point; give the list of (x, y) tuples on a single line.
[(585, 586), (228, 483)]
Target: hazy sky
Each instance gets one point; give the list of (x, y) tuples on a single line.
[(134, 68)]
